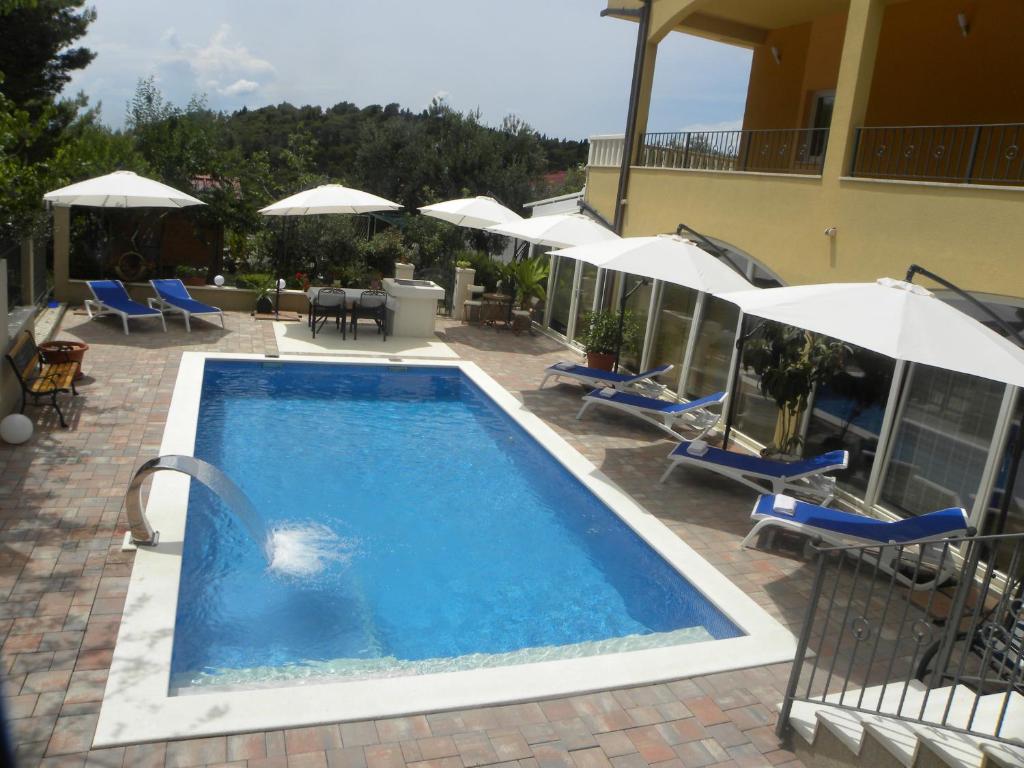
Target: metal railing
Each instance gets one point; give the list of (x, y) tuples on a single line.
[(934, 631), (959, 154), (787, 150)]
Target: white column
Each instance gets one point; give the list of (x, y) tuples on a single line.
[(691, 342), (893, 409), (995, 456)]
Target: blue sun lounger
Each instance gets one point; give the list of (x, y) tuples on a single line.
[(594, 377), (173, 296), (763, 475), (109, 297), (663, 414), (846, 529)]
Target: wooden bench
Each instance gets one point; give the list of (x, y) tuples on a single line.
[(39, 378)]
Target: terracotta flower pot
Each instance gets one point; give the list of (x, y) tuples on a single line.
[(603, 361), (65, 352)]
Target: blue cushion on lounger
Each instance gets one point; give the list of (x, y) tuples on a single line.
[(933, 525)]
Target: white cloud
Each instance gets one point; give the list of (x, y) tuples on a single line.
[(170, 37), (222, 66), (240, 87)]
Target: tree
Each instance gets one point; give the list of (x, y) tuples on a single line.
[(790, 362), (36, 53), (36, 59)]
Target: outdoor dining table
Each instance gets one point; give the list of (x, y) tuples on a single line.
[(351, 298), (351, 295)]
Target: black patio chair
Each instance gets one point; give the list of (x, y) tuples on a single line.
[(372, 305), (329, 302)]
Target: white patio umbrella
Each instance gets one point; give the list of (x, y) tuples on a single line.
[(121, 189), (899, 319), (670, 258), (560, 230), (896, 318), (475, 212), (329, 198)]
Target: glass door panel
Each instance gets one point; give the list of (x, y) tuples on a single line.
[(709, 371), (847, 415), (639, 303), (941, 440), (585, 295), (561, 295), (674, 319)]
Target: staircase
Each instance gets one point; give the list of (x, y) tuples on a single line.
[(951, 654), (827, 735)]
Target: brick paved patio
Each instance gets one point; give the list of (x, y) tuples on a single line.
[(63, 580)]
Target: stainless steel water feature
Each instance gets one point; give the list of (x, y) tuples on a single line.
[(141, 532)]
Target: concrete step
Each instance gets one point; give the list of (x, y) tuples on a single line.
[(873, 737)]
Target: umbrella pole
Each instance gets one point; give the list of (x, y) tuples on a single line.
[(622, 317)]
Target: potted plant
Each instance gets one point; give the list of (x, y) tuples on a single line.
[(600, 336), (265, 289), (190, 275), (64, 351), (529, 277), (789, 363)]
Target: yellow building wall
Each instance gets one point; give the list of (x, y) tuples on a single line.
[(928, 73), (778, 94), (968, 235)]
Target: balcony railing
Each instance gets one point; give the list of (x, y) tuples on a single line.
[(788, 150), (957, 154), (946, 654)]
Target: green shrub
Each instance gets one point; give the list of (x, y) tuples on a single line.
[(600, 332), (254, 280)]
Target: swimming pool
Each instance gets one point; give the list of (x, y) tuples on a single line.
[(450, 538), (472, 557)]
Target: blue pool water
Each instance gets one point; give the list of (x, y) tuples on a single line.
[(448, 537)]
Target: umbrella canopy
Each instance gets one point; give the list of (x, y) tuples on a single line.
[(329, 198), (560, 230), (670, 258), (476, 212), (893, 317), (121, 189)]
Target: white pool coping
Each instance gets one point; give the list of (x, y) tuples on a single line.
[(137, 706)]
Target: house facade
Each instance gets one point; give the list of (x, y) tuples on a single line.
[(876, 134)]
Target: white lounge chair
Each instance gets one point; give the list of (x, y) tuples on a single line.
[(173, 296), (846, 529), (109, 297), (763, 475), (594, 377), (663, 414)]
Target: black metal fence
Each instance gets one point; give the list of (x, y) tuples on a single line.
[(958, 154), (930, 633), (798, 151)]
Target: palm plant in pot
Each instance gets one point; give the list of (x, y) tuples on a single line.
[(600, 336), (790, 362), (529, 277), (265, 290)]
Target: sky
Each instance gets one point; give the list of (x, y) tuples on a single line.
[(557, 64)]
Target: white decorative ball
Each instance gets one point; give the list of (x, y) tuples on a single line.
[(218, 280), (16, 428), (281, 284)]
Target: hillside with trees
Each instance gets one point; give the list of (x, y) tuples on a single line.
[(239, 162)]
